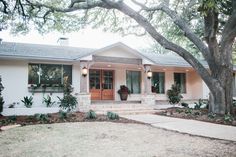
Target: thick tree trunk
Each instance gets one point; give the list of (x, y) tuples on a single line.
[(222, 91)]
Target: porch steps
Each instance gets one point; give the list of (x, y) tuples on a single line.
[(123, 109)]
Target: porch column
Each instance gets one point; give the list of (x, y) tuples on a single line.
[(84, 97), (148, 98)]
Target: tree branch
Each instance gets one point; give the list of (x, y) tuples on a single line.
[(5, 6), (229, 31), (71, 8), (162, 40), (182, 25)]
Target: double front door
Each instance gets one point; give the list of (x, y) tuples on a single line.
[(101, 84)]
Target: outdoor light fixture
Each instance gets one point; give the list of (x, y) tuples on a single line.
[(84, 71), (149, 74)]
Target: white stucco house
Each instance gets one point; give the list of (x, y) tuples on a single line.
[(24, 65)]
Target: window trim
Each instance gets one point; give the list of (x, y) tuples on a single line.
[(164, 81), (140, 84), (185, 92), (43, 63)]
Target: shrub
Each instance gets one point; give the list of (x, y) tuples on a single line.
[(189, 111), (63, 115), (28, 101), (41, 117), (199, 104), (112, 116), (228, 117), (68, 102), (1, 98), (48, 101), (179, 110), (174, 95), (211, 115), (12, 118), (184, 104), (91, 115)]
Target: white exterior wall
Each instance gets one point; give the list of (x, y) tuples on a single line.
[(15, 81)]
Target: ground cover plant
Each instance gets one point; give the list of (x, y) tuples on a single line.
[(200, 114), (60, 117)]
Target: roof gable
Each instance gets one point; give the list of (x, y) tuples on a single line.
[(119, 50)]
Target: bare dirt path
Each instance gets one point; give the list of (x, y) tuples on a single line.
[(106, 139)]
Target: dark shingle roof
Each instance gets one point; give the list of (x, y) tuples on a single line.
[(42, 51)]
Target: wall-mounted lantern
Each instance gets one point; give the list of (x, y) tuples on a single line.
[(84, 71), (149, 74)]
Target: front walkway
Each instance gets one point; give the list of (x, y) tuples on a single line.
[(192, 127)]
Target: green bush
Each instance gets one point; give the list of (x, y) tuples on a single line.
[(41, 117), (112, 116), (48, 101), (1, 98), (28, 101), (189, 111), (12, 118), (184, 104), (199, 104), (68, 102), (174, 95), (91, 115), (63, 115), (211, 115), (179, 110), (228, 117)]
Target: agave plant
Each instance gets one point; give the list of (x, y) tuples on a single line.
[(28, 101)]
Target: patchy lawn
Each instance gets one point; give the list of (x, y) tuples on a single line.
[(101, 139)]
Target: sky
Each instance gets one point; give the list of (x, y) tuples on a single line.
[(90, 38)]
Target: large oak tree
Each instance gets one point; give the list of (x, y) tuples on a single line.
[(215, 18)]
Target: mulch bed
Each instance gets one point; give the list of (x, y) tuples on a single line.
[(55, 118), (201, 115)]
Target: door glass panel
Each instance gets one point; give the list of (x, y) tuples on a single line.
[(107, 80), (94, 79)]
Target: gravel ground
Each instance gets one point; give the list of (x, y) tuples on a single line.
[(106, 139)]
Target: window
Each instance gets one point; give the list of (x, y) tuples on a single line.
[(180, 79), (94, 79), (133, 81), (49, 74), (158, 82)]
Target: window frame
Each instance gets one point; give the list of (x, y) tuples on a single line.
[(61, 69), (164, 83), (140, 81), (185, 83)]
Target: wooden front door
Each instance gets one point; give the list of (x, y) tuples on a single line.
[(101, 84)]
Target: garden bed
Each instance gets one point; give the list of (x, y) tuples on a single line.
[(198, 114), (57, 118)]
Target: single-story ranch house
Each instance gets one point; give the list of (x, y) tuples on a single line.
[(95, 74)]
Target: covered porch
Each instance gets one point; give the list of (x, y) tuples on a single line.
[(103, 72)]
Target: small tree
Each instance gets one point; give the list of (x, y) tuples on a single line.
[(68, 102), (174, 94), (1, 98)]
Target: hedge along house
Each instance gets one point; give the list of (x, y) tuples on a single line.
[(95, 74)]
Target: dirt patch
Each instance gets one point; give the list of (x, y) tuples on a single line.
[(105, 139), (200, 114)]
